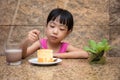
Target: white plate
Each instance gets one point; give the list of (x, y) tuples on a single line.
[(35, 61)]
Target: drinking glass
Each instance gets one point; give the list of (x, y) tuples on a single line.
[(13, 53)]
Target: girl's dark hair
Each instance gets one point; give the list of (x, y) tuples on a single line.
[(66, 17)]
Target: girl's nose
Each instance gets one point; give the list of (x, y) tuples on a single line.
[(55, 31)]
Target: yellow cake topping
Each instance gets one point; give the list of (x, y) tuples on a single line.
[(45, 55)]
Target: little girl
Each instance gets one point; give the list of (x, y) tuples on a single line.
[(59, 25)]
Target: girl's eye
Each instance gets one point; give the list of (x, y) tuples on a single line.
[(52, 26), (62, 29)]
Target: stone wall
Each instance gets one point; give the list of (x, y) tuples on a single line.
[(94, 19)]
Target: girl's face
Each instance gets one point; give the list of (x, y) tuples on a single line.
[(56, 31)]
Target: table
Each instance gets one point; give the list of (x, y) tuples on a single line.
[(68, 69)]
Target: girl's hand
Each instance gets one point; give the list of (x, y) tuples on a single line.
[(55, 55), (33, 35)]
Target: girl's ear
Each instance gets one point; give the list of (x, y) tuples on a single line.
[(69, 32)]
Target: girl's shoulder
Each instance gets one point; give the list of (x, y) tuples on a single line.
[(64, 44), (63, 47)]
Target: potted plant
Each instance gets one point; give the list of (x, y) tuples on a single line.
[(97, 51)]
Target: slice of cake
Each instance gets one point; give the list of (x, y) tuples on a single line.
[(45, 55)]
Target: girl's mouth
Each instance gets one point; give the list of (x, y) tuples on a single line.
[(53, 37)]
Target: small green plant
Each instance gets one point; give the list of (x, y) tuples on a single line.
[(97, 50)]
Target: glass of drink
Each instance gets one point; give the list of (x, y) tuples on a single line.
[(13, 53)]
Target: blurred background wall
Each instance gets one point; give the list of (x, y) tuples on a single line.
[(94, 19)]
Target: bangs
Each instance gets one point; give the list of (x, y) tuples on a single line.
[(63, 16)]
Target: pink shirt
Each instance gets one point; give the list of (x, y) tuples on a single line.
[(63, 47)]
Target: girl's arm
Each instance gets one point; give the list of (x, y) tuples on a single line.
[(26, 51), (24, 46), (72, 52), (33, 39)]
